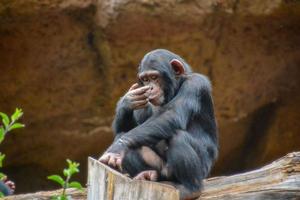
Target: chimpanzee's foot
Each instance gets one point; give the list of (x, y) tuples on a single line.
[(149, 175)]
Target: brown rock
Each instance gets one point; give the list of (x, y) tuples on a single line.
[(66, 63)]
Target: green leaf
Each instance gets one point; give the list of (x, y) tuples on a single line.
[(69, 162), (1, 195), (72, 168), (2, 176), (75, 184), (57, 178), (17, 114), (5, 119), (1, 134), (69, 197), (66, 172), (73, 171), (15, 126), (55, 198), (2, 156)]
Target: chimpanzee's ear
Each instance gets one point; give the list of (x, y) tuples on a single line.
[(177, 66)]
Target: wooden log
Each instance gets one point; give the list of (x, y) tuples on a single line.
[(278, 180), (46, 195)]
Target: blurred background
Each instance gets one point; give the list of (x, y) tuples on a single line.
[(67, 62)]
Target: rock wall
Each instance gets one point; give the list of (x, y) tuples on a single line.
[(66, 63)]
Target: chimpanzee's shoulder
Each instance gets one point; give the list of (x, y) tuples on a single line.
[(198, 81)]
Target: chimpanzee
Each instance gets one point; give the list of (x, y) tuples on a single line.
[(165, 128)]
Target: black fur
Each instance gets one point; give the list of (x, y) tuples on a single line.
[(185, 120)]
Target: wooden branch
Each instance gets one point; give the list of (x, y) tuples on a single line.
[(278, 180), (46, 195)]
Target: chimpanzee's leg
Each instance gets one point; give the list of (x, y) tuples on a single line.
[(142, 163), (186, 165), (133, 163)]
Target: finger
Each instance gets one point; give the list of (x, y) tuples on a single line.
[(112, 162), (148, 93), (104, 158), (109, 156), (145, 104), (148, 176), (119, 164), (139, 177), (134, 86), (141, 106), (153, 177), (140, 90), (153, 96), (139, 97), (138, 103)]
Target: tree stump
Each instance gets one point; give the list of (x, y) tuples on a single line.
[(105, 183)]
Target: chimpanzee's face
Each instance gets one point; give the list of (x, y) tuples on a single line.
[(153, 79)]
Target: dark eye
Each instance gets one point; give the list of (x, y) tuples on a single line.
[(153, 77), (145, 79)]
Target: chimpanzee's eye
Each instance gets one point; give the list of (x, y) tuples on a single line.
[(145, 79), (153, 77)]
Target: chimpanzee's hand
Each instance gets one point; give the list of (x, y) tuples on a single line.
[(137, 97), (112, 159)]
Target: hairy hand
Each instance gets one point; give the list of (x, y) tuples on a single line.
[(137, 97), (112, 159)]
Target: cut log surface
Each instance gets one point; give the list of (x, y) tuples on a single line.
[(278, 180)]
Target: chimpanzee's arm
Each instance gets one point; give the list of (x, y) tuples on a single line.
[(124, 119), (176, 116)]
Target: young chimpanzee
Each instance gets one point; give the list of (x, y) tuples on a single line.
[(165, 127)]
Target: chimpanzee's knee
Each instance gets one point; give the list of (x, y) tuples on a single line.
[(142, 159), (183, 163), (133, 163)]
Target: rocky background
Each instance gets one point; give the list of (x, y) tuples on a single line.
[(66, 63)]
